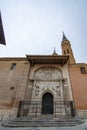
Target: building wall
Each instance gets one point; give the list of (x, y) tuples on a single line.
[(16, 85), (79, 86), (9, 79)]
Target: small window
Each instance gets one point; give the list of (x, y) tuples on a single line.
[(82, 70), (13, 66), (12, 88)]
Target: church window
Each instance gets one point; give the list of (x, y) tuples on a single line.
[(82, 70), (13, 66)]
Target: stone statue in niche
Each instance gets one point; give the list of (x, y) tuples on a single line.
[(30, 85), (65, 81), (58, 91), (37, 91)]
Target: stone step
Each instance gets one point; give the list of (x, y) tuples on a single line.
[(39, 124), (42, 122)]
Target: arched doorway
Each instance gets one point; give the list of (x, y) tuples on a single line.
[(47, 103)]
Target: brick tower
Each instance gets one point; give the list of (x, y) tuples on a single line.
[(67, 50)]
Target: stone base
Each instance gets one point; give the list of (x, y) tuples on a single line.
[(42, 121), (5, 114), (81, 113), (8, 114)]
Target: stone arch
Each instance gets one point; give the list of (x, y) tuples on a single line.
[(47, 91)]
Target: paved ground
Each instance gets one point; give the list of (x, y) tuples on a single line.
[(79, 127)]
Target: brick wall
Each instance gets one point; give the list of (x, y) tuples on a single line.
[(79, 86), (9, 79)]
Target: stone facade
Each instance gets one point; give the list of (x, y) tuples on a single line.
[(48, 78), (27, 80)]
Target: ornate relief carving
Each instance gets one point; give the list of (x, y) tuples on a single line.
[(37, 91), (59, 90), (47, 79), (47, 73)]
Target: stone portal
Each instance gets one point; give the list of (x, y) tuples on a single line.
[(49, 94)]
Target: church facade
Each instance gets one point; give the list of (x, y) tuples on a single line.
[(38, 85)]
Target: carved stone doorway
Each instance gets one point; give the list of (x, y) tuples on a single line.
[(47, 103)]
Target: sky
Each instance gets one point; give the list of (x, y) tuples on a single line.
[(35, 27)]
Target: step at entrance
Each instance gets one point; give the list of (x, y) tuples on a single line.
[(42, 121)]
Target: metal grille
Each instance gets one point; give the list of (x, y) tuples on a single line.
[(35, 108)]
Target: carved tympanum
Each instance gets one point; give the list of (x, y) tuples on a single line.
[(48, 73)]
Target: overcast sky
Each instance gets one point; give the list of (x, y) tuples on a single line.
[(36, 26)]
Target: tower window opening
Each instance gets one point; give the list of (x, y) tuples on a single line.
[(64, 52), (68, 51)]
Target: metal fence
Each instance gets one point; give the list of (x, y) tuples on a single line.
[(36, 108)]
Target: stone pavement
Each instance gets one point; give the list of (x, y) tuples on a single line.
[(79, 127)]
